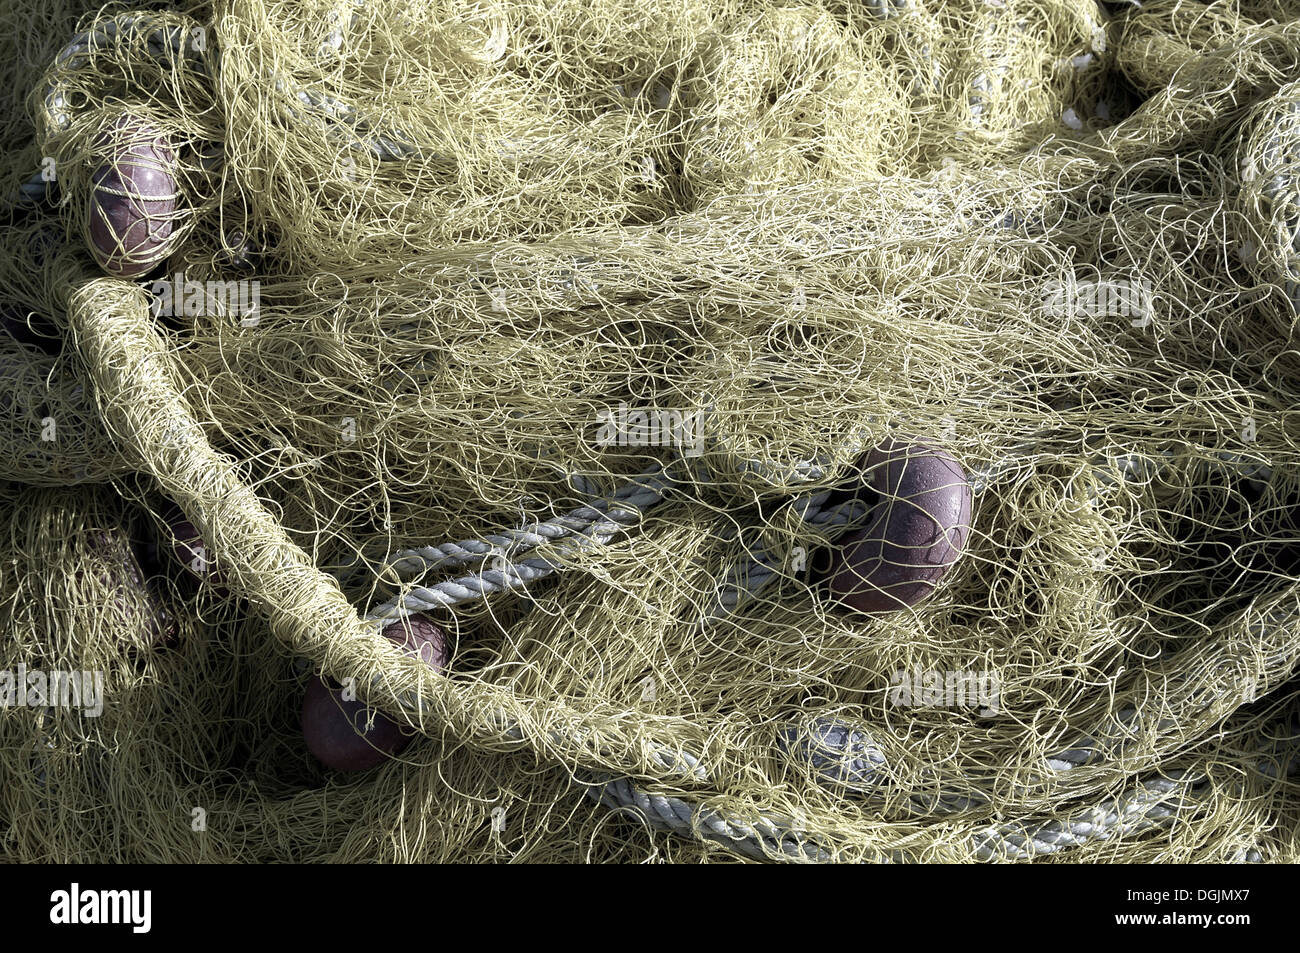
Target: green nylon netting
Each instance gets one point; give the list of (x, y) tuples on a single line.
[(477, 227)]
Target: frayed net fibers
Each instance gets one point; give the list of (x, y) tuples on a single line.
[(569, 327)]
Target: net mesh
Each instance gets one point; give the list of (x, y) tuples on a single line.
[(481, 239)]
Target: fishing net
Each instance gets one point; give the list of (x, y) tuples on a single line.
[(571, 327)]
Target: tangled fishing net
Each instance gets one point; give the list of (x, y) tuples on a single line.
[(572, 326)]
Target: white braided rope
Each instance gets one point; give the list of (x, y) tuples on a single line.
[(600, 521), (1155, 802), (165, 38), (763, 838), (584, 528)]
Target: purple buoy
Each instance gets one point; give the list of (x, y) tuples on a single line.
[(133, 200), (915, 532), (335, 728), (191, 552)]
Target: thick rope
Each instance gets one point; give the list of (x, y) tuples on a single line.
[(1154, 803), (599, 521)]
